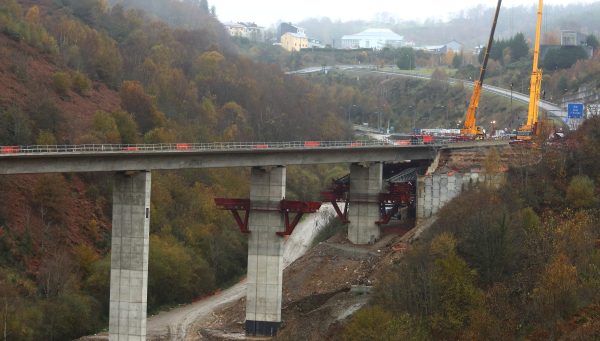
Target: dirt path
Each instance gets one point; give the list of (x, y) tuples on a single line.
[(176, 324)]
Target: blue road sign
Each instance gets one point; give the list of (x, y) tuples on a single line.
[(575, 110)]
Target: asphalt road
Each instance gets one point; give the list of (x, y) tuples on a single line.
[(551, 108)]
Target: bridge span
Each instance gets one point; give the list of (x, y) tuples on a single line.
[(267, 212), (148, 157)]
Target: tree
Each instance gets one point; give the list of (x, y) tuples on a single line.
[(204, 6), (563, 57), (61, 82), (518, 47), (105, 128), (457, 60), (127, 127), (15, 127), (374, 323), (581, 192), (135, 100), (592, 41), (555, 296), (406, 58), (455, 293), (46, 138)]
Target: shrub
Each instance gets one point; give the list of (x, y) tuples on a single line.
[(61, 82), (81, 83), (581, 192)]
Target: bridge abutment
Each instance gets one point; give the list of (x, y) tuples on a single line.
[(265, 251), (365, 187), (129, 256)]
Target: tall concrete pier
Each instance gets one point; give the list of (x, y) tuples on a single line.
[(129, 256), (265, 251), (365, 186)]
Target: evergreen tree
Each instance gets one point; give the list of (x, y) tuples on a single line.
[(204, 6), (518, 47)]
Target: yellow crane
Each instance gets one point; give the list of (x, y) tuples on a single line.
[(529, 129), (470, 128)]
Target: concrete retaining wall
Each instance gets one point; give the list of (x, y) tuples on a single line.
[(436, 190)]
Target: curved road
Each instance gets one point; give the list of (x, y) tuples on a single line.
[(178, 323), (551, 108)]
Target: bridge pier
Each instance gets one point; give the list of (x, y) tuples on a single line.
[(364, 213), (129, 256), (265, 251)]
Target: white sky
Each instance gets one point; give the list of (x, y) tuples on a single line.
[(267, 12)]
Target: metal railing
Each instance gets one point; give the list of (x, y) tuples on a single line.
[(216, 146)]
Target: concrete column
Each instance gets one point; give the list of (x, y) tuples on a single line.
[(129, 256), (265, 252), (365, 186)]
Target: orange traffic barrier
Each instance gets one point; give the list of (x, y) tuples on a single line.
[(183, 146), (427, 139), (9, 149), (131, 149), (312, 144), (402, 142), (261, 146), (356, 144)]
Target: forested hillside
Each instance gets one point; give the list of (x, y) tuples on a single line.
[(519, 262), (80, 71)]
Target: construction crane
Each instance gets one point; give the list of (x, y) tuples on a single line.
[(470, 128), (530, 129)]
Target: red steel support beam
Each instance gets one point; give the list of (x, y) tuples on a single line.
[(285, 207)]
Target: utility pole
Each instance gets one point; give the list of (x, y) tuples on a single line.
[(511, 103)]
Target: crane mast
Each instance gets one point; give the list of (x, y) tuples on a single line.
[(529, 129), (470, 127)]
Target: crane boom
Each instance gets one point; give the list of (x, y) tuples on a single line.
[(470, 127), (530, 128)]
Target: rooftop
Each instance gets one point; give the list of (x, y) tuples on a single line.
[(379, 33)]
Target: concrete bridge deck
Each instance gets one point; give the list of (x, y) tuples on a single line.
[(114, 158)]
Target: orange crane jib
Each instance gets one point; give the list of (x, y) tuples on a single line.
[(470, 127)]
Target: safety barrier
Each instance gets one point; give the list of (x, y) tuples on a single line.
[(217, 146)]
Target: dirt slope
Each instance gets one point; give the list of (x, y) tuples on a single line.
[(320, 291), (26, 83)]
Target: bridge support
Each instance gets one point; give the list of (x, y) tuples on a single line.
[(364, 213), (265, 251), (129, 256)]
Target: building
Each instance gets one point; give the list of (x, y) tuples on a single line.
[(288, 28), (373, 38), (314, 43), (434, 49), (246, 30), (294, 41), (454, 46), (572, 38)]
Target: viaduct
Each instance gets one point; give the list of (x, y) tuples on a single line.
[(132, 167)]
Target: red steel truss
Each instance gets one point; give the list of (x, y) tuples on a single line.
[(285, 207)]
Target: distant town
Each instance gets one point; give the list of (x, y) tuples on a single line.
[(295, 38)]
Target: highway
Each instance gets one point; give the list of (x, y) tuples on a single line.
[(552, 109), (117, 158)]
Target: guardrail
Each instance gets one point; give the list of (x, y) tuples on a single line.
[(216, 146)]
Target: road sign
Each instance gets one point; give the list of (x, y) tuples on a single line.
[(575, 110)]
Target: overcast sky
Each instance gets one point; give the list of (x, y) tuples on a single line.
[(267, 12)]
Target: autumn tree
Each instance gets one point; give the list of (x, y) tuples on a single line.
[(135, 101), (581, 192)]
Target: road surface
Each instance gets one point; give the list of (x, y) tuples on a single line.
[(551, 108), (177, 324)]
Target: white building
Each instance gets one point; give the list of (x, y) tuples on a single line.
[(373, 38), (246, 30)]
